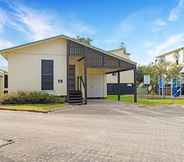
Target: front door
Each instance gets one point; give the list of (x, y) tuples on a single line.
[(71, 78)]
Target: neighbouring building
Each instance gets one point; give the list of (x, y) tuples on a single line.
[(3, 81), (126, 77), (63, 66), (174, 57)]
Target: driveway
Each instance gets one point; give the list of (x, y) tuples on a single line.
[(98, 132)]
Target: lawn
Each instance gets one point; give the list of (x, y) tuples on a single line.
[(146, 101), (32, 107)]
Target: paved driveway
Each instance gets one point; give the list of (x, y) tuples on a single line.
[(97, 132)]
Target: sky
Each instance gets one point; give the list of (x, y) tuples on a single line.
[(147, 27)]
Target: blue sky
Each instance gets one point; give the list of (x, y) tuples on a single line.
[(147, 27)]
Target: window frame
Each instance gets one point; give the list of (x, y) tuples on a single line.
[(47, 76)]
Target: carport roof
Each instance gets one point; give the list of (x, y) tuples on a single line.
[(4, 51)]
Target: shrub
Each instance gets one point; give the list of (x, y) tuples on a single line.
[(29, 98)]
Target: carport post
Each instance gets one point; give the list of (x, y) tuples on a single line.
[(135, 86), (119, 86), (85, 79)]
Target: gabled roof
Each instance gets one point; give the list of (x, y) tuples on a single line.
[(3, 51), (170, 52), (118, 49)]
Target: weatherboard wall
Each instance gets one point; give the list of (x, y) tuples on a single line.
[(24, 67)]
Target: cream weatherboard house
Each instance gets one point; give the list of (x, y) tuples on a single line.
[(63, 66), (126, 77)]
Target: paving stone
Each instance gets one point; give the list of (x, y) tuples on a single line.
[(98, 132)]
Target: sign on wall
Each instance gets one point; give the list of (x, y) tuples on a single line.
[(146, 79)]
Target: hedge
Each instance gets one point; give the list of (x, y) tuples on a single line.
[(29, 98)]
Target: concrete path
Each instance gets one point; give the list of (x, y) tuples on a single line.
[(98, 132)]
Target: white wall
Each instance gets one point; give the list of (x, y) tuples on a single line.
[(1, 82), (125, 77), (24, 67), (121, 53), (96, 83), (172, 59)]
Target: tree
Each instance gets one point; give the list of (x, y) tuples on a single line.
[(85, 40), (161, 69), (174, 71)]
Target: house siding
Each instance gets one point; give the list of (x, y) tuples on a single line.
[(24, 67), (125, 77), (97, 86)]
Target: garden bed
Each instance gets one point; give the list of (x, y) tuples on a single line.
[(30, 101), (43, 108)]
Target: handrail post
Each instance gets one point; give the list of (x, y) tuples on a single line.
[(78, 83), (85, 81)]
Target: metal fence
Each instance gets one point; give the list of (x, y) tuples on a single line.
[(122, 89)]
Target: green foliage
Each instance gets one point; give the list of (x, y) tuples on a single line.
[(148, 101), (174, 71), (86, 40), (29, 98), (161, 69)]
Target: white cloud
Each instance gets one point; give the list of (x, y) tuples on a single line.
[(5, 44), (177, 11), (160, 23), (3, 19), (37, 24), (171, 42)]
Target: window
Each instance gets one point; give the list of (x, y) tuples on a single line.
[(114, 74), (177, 58), (47, 77), (5, 81)]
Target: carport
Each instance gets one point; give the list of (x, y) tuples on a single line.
[(88, 58)]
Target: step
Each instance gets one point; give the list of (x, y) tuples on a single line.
[(75, 92), (78, 95), (77, 98), (75, 101)]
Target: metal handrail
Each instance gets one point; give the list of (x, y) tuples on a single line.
[(82, 81)]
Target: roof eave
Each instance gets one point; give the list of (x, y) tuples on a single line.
[(4, 51)]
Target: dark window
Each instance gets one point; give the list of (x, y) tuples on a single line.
[(5, 81), (113, 74), (47, 74)]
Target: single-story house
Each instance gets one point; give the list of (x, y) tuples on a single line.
[(63, 66)]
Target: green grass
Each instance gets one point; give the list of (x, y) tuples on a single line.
[(33, 107), (145, 101)]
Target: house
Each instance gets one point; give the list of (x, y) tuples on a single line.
[(63, 66), (174, 57), (3, 81), (126, 77)]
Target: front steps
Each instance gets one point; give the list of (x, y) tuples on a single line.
[(75, 97)]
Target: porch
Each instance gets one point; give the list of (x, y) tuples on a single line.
[(87, 67)]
